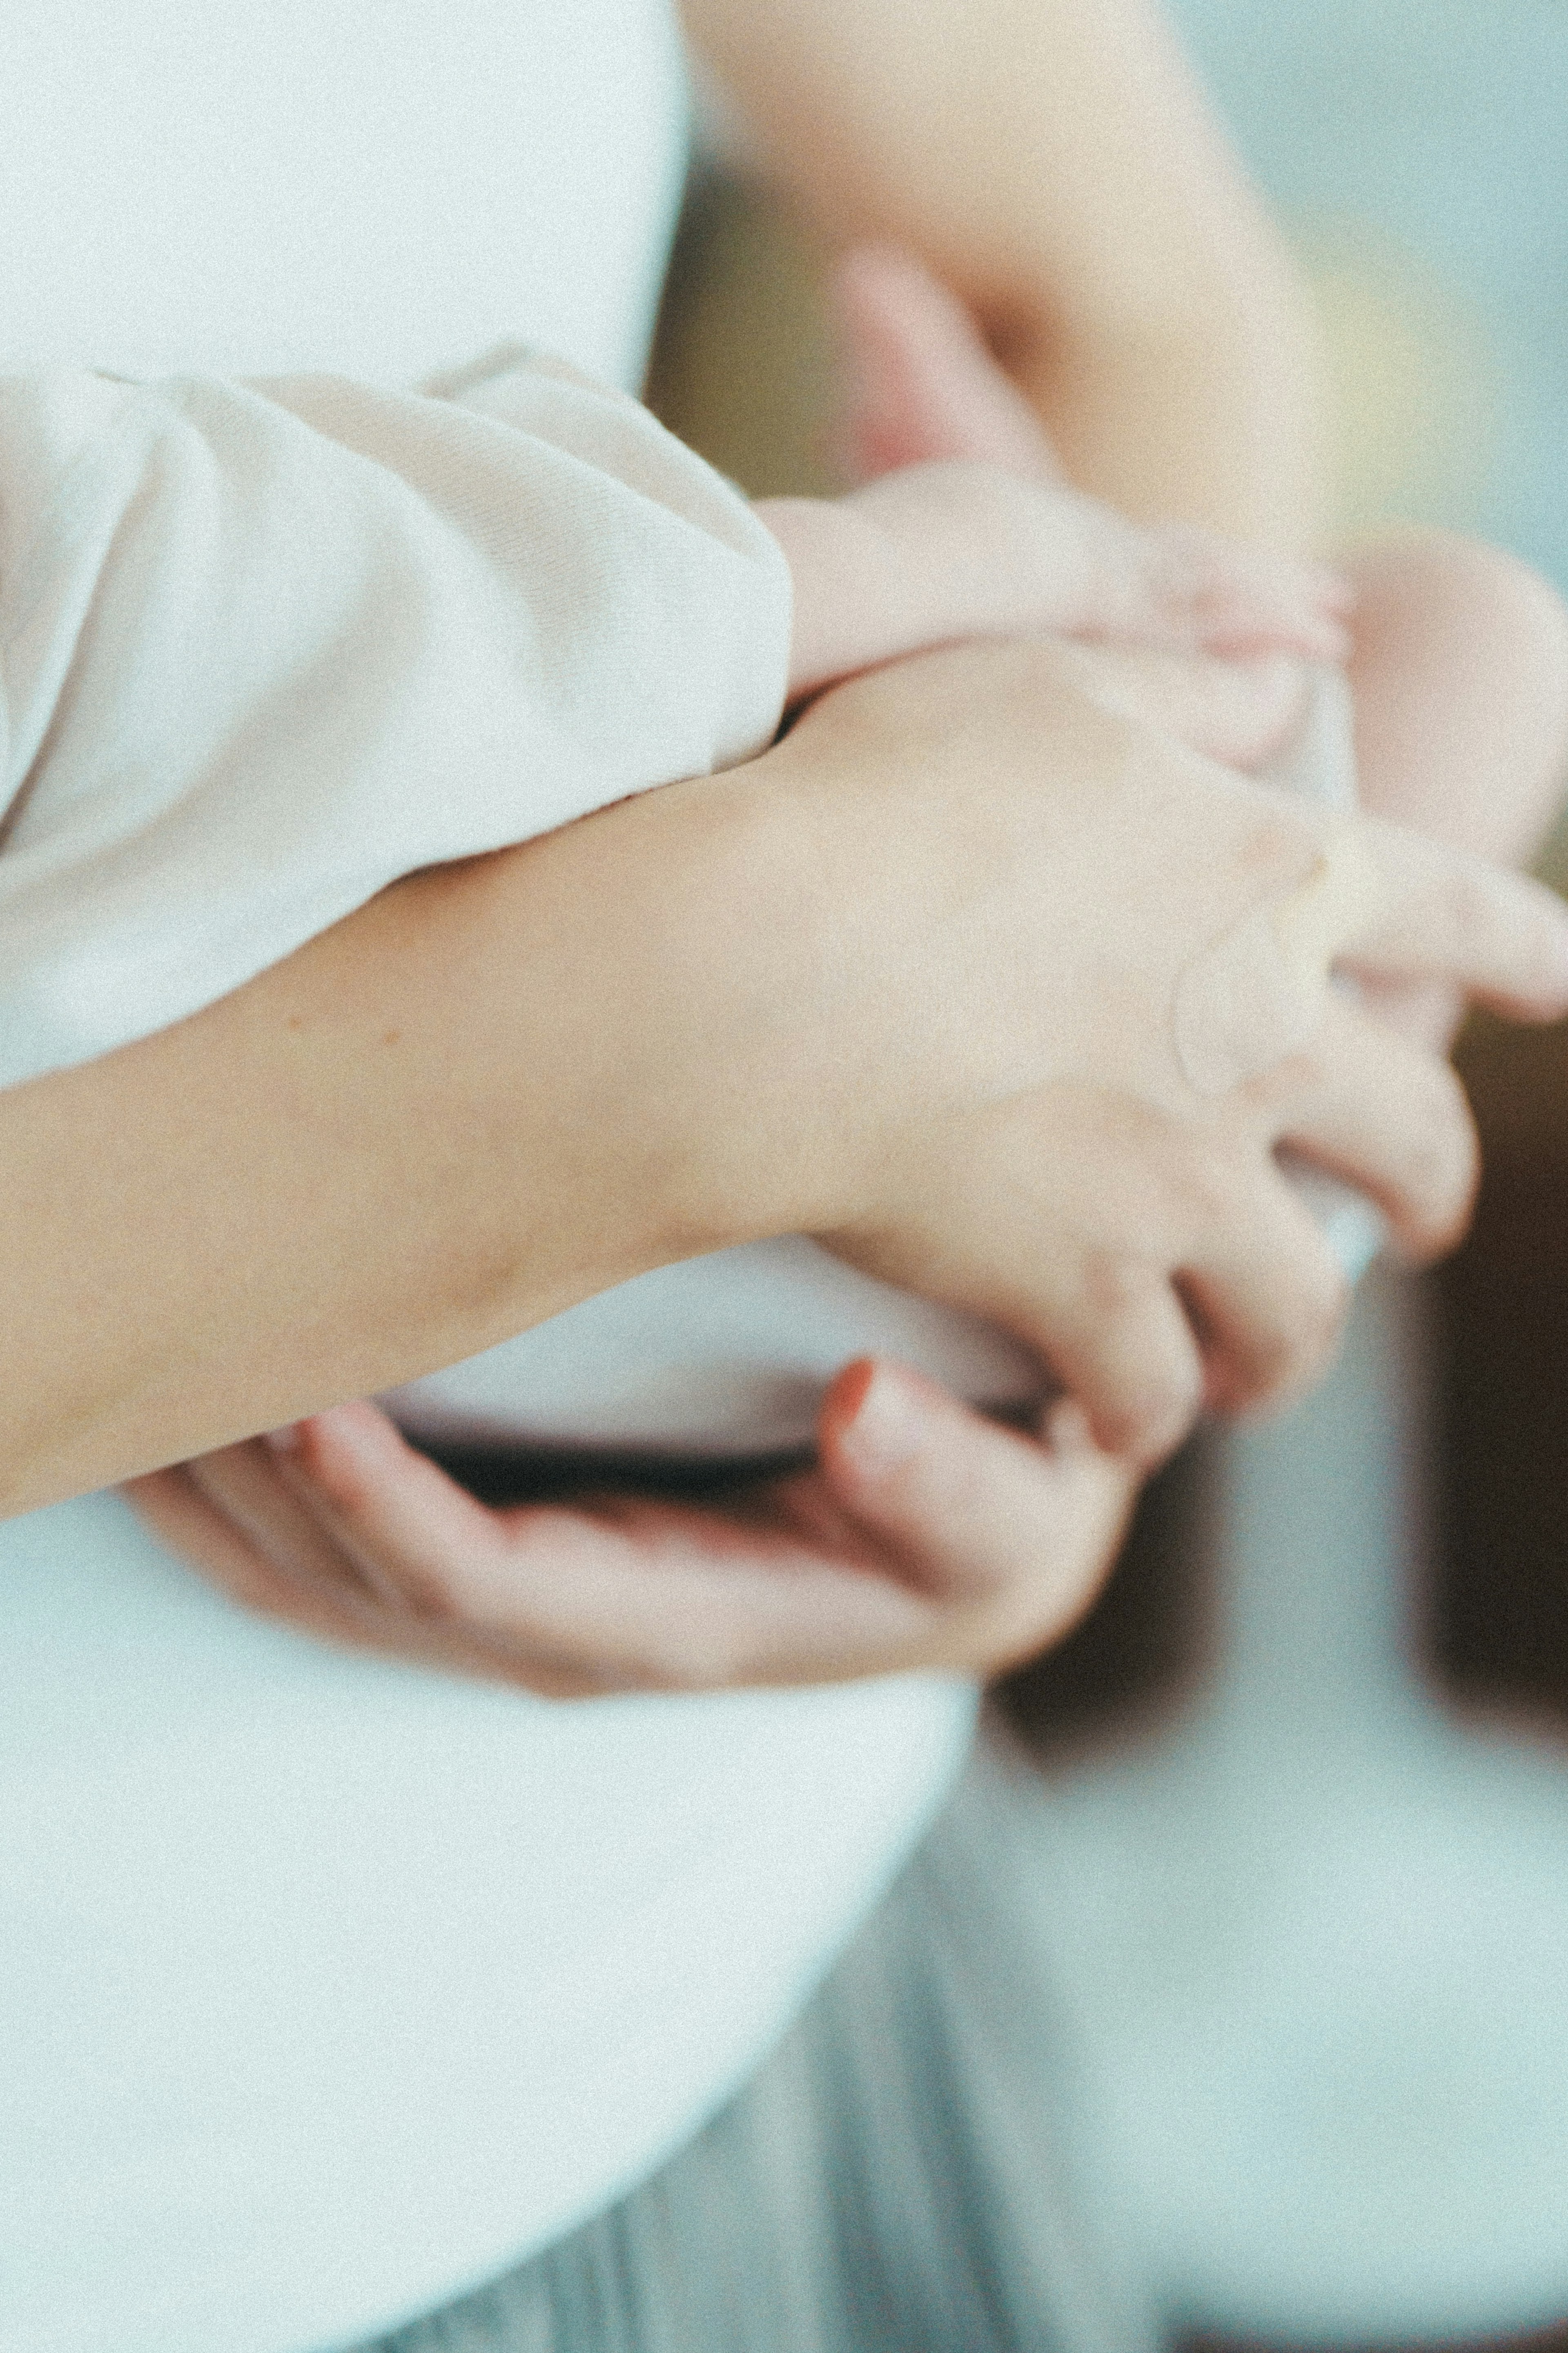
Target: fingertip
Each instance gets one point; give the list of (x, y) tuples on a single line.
[(339, 1448), (875, 1416), (843, 1398), (1145, 1436)]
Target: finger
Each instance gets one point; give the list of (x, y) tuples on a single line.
[(1232, 599), (258, 1525), (650, 1593), (1268, 1298), (926, 386), (626, 1593), (256, 1522), (924, 383), (1429, 1012), (1379, 904), (1012, 1539), (390, 1514), (1119, 1342), (248, 1485), (189, 1524), (1441, 915), (1388, 1116), (1238, 713)]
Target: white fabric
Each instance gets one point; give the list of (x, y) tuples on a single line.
[(380, 187), (267, 646), (326, 1987)]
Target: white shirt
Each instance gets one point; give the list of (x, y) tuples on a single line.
[(327, 1987)]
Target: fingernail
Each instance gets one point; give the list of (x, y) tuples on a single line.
[(887, 1426), (283, 1441)]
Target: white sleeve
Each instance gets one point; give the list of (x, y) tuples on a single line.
[(265, 648)]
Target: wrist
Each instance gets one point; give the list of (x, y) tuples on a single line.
[(688, 1035), (854, 603)]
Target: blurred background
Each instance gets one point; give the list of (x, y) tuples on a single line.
[(1306, 1878)]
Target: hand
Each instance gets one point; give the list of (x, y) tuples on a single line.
[(1457, 653), (943, 552), (968, 530), (1129, 962), (926, 1539), (965, 528)]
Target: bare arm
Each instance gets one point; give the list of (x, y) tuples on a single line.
[(425, 1130), (844, 990), (1054, 162)]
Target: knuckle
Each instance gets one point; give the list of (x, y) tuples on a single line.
[(1150, 1416), (1296, 1346), (1117, 1286), (430, 1592), (1307, 1073), (1213, 1178)]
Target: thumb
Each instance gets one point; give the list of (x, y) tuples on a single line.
[(1013, 1536), (923, 383)]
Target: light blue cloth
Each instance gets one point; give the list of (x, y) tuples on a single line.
[(329, 1987), (896, 2180)]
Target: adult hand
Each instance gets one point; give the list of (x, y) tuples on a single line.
[(952, 977), (1150, 940), (925, 1537)]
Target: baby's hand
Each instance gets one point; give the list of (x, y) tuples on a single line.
[(966, 528), (958, 549)]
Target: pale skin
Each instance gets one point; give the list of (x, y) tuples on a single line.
[(1055, 165), (922, 1538), (1100, 348), (1457, 653)]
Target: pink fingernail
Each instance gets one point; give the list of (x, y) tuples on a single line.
[(285, 1440), (887, 1426)]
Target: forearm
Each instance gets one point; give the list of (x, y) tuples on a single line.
[(1206, 418), (871, 987), (1057, 166), (498, 1087)]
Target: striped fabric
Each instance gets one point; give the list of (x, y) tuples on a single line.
[(893, 2181)]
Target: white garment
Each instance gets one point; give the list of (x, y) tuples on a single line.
[(265, 648), (327, 1987), (380, 189)]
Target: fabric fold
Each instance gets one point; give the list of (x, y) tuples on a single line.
[(267, 646)]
